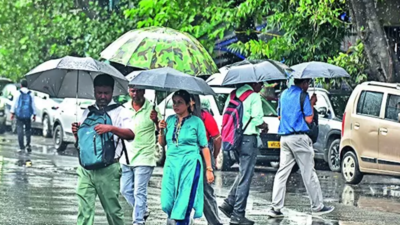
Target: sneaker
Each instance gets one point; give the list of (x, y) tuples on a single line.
[(171, 222), (226, 209), (274, 213), (28, 149), (240, 220), (324, 210), (20, 150)]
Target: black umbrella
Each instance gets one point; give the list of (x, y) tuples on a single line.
[(253, 72)]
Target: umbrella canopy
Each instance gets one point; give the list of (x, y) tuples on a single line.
[(310, 70), (168, 79), (72, 77), (251, 72), (158, 47)]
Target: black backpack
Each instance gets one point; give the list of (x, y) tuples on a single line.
[(313, 126)]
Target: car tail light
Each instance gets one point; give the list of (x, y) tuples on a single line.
[(343, 121)]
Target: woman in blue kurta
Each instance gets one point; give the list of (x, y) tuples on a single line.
[(184, 135)]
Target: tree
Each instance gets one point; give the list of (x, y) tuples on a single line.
[(384, 65)]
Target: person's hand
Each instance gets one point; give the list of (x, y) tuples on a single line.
[(154, 116), (103, 128), (210, 176), (313, 99), (75, 126), (162, 124), (12, 116), (34, 118)]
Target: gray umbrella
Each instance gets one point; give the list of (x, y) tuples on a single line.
[(310, 70), (72, 77), (252, 72), (170, 80)]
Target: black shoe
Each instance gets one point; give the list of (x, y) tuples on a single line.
[(240, 220), (324, 210), (146, 215), (226, 209), (274, 213), (28, 149)]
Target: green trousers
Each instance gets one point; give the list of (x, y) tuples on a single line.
[(105, 183)]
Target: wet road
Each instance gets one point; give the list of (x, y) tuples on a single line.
[(44, 193)]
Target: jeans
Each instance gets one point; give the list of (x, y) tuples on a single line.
[(241, 187), (20, 130), (134, 182)]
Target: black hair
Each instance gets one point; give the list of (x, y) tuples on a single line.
[(185, 96), (300, 81), (197, 105), (24, 83), (104, 80)]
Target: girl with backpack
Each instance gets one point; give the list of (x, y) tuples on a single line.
[(214, 144), (184, 134)]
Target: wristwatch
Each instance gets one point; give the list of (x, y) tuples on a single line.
[(210, 169)]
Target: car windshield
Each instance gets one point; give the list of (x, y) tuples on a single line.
[(269, 107), (339, 102)]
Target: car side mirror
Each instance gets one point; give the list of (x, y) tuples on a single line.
[(322, 111)]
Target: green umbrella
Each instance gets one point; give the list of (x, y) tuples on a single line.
[(157, 47)]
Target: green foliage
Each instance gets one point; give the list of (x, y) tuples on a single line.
[(311, 32), (354, 62), (32, 32)]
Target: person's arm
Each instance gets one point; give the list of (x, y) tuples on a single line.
[(123, 129), (212, 129), (163, 131), (278, 110), (202, 142), (308, 110), (14, 105), (33, 104)]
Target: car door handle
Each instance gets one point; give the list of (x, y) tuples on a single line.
[(356, 126), (383, 131)]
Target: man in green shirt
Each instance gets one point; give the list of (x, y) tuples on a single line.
[(141, 153), (234, 205)]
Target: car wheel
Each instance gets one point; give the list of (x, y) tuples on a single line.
[(46, 131), (14, 126), (350, 169), (160, 155), (334, 156), (59, 144)]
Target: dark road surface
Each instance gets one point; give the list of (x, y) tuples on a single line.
[(44, 193)]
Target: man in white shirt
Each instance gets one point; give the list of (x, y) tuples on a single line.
[(23, 110), (104, 182)]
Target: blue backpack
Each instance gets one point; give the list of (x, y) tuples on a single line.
[(24, 110), (97, 151)]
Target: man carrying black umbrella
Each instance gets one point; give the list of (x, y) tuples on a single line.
[(234, 205), (297, 147)]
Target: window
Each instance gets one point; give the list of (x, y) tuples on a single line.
[(369, 103), (220, 99), (392, 107)]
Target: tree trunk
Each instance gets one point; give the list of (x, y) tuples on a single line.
[(383, 62)]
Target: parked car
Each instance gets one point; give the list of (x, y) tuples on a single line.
[(3, 83), (330, 107), (370, 132), (269, 144), (45, 109), (67, 113)]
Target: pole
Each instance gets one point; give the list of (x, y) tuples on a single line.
[(76, 95)]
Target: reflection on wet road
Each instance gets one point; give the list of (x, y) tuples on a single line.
[(40, 189)]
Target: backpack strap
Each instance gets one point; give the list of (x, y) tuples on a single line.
[(245, 95), (233, 94), (124, 151), (303, 97)]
